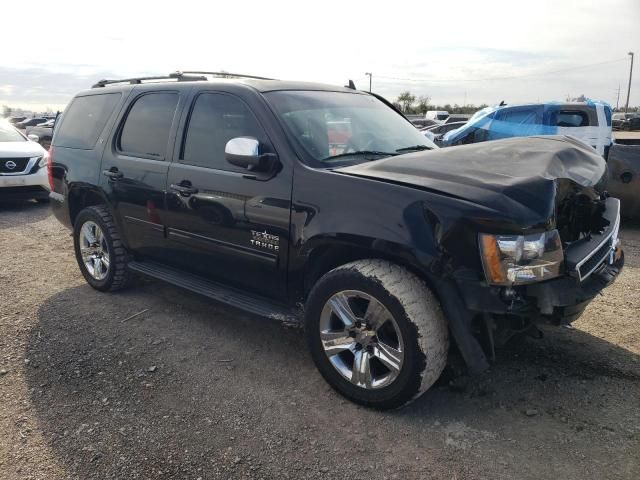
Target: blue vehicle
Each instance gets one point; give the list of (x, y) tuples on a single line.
[(588, 121)]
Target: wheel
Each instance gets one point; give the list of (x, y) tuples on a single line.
[(376, 333), (99, 250)]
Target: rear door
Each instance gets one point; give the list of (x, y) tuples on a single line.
[(135, 166), (520, 121), (224, 222)]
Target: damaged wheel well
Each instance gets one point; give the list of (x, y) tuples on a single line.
[(324, 259)]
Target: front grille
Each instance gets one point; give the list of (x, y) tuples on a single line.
[(594, 261), (13, 165), (587, 257)]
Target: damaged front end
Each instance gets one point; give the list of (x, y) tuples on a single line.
[(589, 223), (525, 229), (577, 260)]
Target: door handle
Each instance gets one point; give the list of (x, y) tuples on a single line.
[(113, 174), (184, 188)]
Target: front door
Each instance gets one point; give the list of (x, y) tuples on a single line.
[(223, 221), (134, 168)]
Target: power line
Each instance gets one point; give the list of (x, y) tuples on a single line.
[(453, 80)]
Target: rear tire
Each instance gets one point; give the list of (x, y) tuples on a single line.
[(99, 250), (393, 345)]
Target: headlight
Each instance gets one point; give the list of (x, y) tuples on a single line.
[(43, 161), (518, 259)]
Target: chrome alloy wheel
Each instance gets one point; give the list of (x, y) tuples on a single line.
[(94, 250), (361, 339)]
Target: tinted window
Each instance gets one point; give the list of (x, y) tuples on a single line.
[(216, 119), (146, 130), (84, 120), (570, 118), (518, 115)]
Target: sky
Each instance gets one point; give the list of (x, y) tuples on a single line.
[(464, 52)]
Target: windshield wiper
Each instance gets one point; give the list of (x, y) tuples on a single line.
[(414, 147), (360, 152)]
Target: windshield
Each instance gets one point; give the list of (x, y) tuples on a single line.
[(340, 128), (10, 134)]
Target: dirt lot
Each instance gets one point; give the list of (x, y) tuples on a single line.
[(190, 389)]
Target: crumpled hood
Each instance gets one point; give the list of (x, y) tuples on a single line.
[(516, 177)]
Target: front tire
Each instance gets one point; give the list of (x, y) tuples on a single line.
[(376, 333), (99, 250)]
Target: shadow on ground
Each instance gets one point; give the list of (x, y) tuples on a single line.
[(35, 212), (192, 389)]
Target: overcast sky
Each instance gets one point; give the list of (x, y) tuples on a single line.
[(483, 51)]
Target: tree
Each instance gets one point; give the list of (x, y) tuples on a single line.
[(6, 111), (423, 104), (406, 100)]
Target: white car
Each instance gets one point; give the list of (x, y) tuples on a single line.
[(23, 167), (437, 115)]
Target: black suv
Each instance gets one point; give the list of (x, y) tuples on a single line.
[(324, 205)]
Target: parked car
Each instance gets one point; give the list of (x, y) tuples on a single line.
[(438, 115), (14, 120), (458, 117), (28, 122), (436, 132), (42, 133), (23, 173), (382, 248), (424, 122), (626, 121), (587, 121)]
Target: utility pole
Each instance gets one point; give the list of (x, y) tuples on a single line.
[(626, 107), (618, 99), (370, 75)]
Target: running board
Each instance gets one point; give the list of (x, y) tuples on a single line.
[(215, 291)]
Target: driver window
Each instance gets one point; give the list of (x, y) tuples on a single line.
[(215, 119)]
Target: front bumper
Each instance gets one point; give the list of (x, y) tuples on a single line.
[(559, 301), (22, 187)]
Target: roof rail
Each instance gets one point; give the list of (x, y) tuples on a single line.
[(227, 74), (178, 76)]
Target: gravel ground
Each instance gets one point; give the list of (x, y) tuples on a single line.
[(190, 389)]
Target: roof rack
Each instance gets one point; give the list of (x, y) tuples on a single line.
[(178, 76), (188, 76), (227, 75)]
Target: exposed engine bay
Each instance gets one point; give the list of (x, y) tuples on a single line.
[(580, 213)]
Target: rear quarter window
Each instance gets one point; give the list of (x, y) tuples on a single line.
[(84, 120), (570, 118)]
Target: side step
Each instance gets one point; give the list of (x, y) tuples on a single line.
[(215, 291)]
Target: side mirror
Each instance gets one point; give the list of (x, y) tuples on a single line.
[(33, 137), (245, 152)]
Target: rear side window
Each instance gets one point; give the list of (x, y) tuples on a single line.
[(145, 132), (520, 116), (84, 119), (569, 118), (215, 119)]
